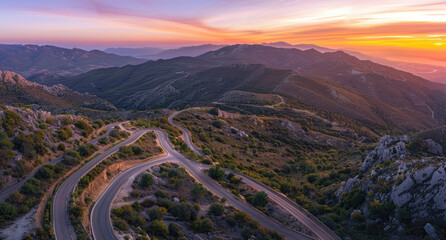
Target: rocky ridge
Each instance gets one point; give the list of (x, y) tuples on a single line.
[(394, 176)]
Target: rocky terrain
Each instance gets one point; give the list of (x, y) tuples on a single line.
[(404, 191), (35, 139), (14, 90)]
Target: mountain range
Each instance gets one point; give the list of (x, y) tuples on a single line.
[(157, 53), (41, 63), (359, 89), (431, 72)]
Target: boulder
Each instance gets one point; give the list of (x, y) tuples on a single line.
[(430, 230), (399, 195), (433, 147), (387, 148)]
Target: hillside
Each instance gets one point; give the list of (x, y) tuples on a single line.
[(362, 90), (39, 63), (431, 72), (14, 89)]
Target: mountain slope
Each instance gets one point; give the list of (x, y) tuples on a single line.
[(427, 71), (14, 89), (361, 90), (42, 62)]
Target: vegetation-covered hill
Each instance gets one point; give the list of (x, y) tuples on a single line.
[(362, 90), (391, 190), (14, 89)]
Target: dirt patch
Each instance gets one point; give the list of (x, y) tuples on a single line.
[(22, 226)]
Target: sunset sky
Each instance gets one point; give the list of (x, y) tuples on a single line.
[(409, 30)]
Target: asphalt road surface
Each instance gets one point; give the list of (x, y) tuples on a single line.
[(103, 230), (186, 136), (62, 227), (4, 194)]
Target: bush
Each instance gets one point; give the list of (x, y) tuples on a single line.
[(7, 212), (198, 191), (11, 120), (64, 133), (45, 172), (217, 209), (146, 180), (203, 225), (183, 211), (72, 157), (216, 173), (87, 149), (381, 210), (260, 199), (160, 194), (85, 127), (158, 228), (120, 224), (353, 198), (31, 186), (65, 120), (175, 230), (217, 124), (61, 147), (214, 111), (157, 213)]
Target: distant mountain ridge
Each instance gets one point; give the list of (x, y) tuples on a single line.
[(135, 52), (430, 72), (157, 53), (39, 63), (14, 89)]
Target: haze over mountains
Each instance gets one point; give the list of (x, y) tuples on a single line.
[(335, 81), (430, 72), (157, 53)]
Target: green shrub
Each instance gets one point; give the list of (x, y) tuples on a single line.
[(85, 127), (120, 224), (158, 228), (217, 209), (7, 212), (157, 213), (64, 133), (175, 230), (66, 120), (61, 147), (216, 173), (198, 191), (183, 211), (260, 199), (146, 180), (353, 198), (86, 150)]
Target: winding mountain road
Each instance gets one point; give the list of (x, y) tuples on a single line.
[(103, 230), (62, 227), (306, 218), (4, 194)]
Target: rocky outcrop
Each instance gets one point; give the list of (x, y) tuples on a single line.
[(16, 89), (13, 78), (433, 147), (415, 184), (388, 148)]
